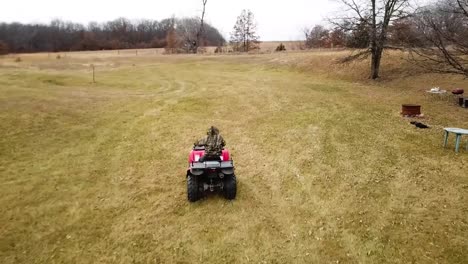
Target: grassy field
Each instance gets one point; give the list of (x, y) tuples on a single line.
[(328, 171)]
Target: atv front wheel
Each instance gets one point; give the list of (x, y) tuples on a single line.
[(230, 187), (192, 188)]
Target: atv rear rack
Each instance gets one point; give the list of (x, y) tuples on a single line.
[(212, 164)]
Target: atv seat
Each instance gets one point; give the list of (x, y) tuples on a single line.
[(210, 158), (198, 147)]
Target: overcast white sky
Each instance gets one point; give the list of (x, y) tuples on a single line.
[(276, 19)]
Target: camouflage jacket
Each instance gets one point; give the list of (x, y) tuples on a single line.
[(213, 144)]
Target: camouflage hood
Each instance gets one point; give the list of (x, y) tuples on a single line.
[(212, 131)]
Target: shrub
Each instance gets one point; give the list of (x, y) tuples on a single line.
[(281, 47), (18, 59)]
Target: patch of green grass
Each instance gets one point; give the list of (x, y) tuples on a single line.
[(328, 171)]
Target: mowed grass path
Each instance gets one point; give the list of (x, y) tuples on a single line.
[(328, 171)]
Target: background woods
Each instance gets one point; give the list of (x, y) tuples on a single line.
[(120, 33)]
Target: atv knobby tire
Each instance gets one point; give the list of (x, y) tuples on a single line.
[(230, 187), (193, 193)]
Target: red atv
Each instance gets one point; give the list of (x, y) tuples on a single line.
[(210, 175)]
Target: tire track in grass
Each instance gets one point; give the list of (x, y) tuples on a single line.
[(263, 188)]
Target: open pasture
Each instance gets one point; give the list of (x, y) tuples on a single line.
[(328, 171)]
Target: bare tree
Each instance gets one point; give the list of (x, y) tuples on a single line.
[(171, 37), (317, 37), (306, 31), (443, 31), (378, 14), (459, 6), (244, 36), (187, 30), (200, 31), (337, 38)]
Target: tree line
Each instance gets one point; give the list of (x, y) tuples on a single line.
[(178, 34), (435, 35)]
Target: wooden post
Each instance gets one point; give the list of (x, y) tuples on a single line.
[(136, 52), (94, 79), (118, 52)]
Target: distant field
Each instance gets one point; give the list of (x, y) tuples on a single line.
[(328, 171), (265, 47)]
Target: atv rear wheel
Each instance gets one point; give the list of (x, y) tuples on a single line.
[(230, 187), (193, 193)]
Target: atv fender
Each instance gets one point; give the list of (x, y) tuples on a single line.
[(196, 172), (228, 171), (227, 167)]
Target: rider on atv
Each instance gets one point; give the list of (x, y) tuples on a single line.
[(213, 143), (210, 168)]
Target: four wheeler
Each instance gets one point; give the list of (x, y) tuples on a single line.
[(210, 175)]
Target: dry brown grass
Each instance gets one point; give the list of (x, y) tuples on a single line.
[(328, 171)]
